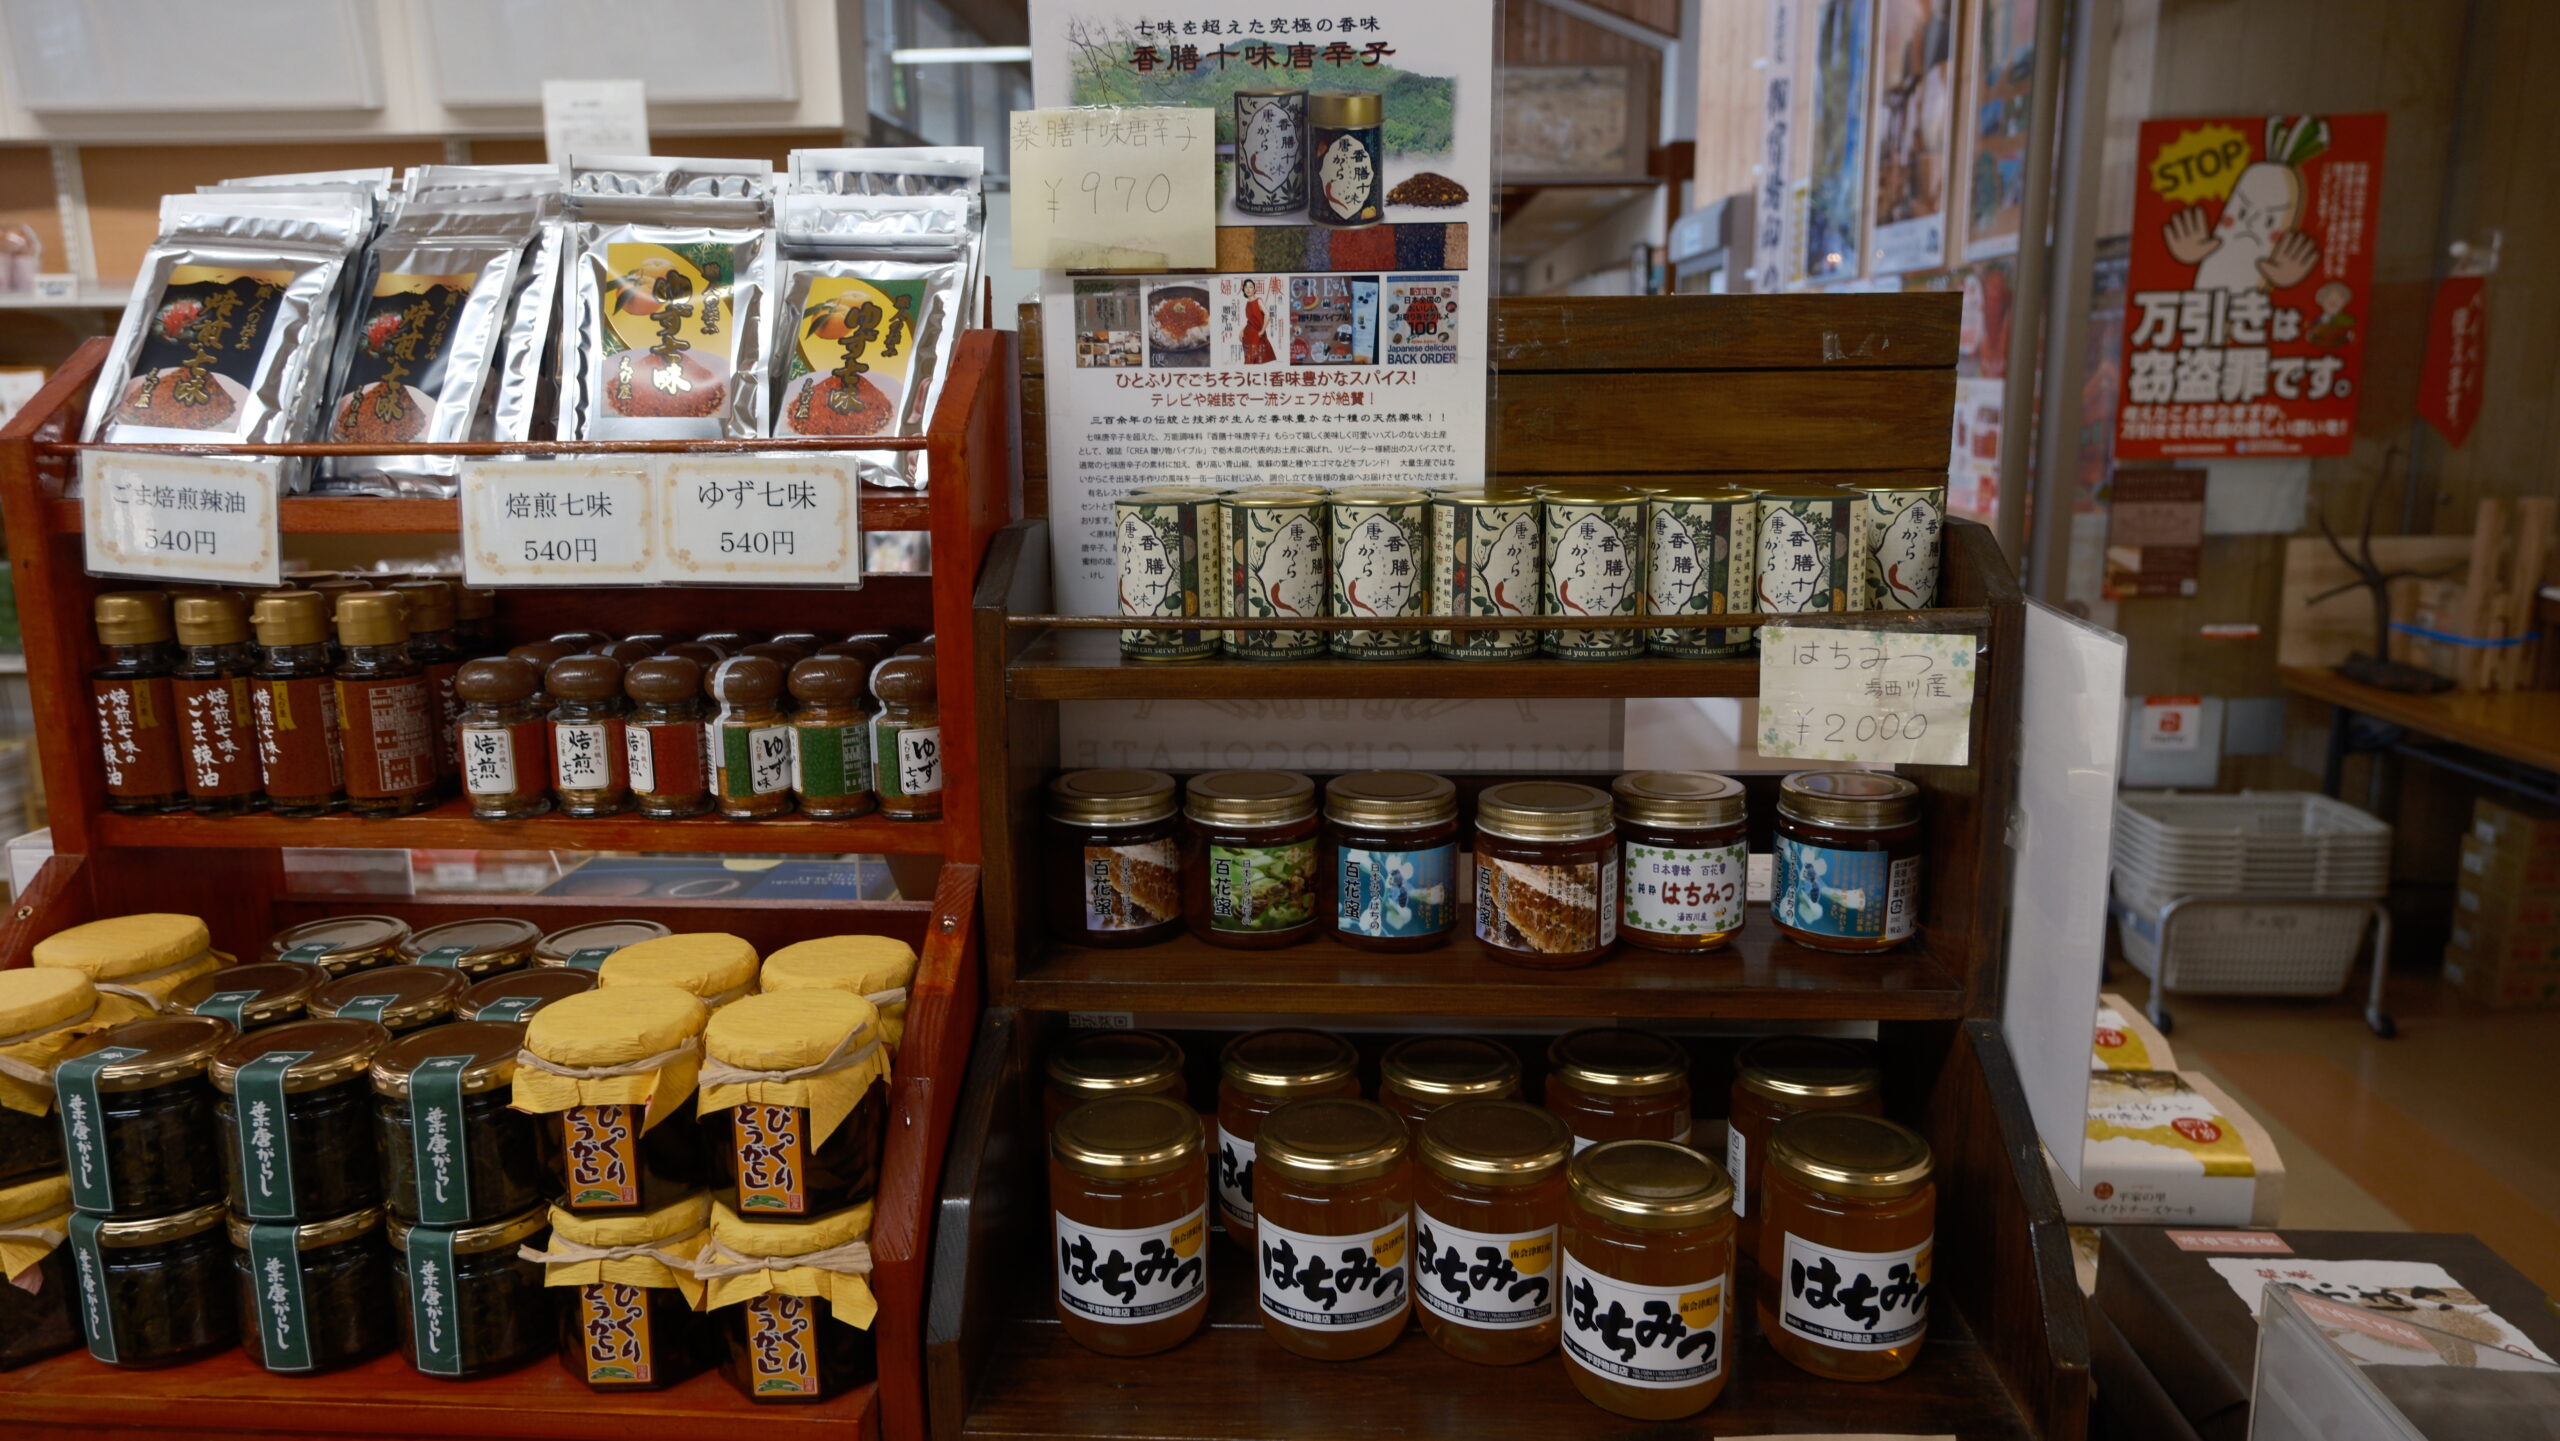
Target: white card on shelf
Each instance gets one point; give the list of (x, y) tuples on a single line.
[(1875, 696), (1115, 187), (760, 520), (182, 517), (577, 520), (594, 117)]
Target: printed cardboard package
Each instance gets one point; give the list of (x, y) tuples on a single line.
[(2168, 1147), (2125, 1041)]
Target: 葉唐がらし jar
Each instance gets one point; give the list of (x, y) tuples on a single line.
[(137, 1113), (1619, 1085), (454, 1151), (1115, 864), (1129, 1186), (1258, 1073), (1849, 1218), (154, 1290), (469, 1304), (297, 1129), (313, 1295), (1333, 1223), (1648, 1279), (1487, 1200), (1847, 872)]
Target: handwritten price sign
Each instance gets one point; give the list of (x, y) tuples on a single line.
[(1115, 188), (1866, 695)]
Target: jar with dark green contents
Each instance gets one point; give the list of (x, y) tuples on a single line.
[(479, 948), (1380, 537), (1699, 546), (342, 945), (316, 1296), (137, 1113), (1275, 569), (250, 997), (1594, 567), (154, 1291), (515, 997), (400, 999), (1249, 858), (1486, 550), (469, 1305), (583, 947), (453, 1150), (1810, 556), (297, 1143)]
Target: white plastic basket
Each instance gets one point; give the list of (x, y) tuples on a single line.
[(2271, 843), (2229, 949)]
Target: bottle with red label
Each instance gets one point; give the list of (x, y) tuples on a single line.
[(432, 646), (137, 711), (589, 765), (663, 738), (294, 703), (218, 739), (387, 719), (504, 755)]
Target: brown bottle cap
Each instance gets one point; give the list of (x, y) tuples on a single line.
[(880, 638), (918, 648), (430, 604), (291, 617), (867, 652), (499, 680), (785, 656), (308, 579), (805, 641), (744, 679), (663, 680), (541, 653), (584, 678), (578, 640), (903, 680), (730, 641), (824, 680), (628, 652), (133, 617), (705, 656), (655, 640), (469, 604), (372, 617), (210, 620)]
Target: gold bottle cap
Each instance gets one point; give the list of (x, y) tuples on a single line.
[(1850, 1153), (291, 617), (1449, 1068), (1590, 495), (488, 1236), (1250, 798), (1287, 1062), (1111, 797), (214, 619), (339, 1050), (1859, 800), (1650, 1185), (489, 1048), (1346, 109), (173, 1048), (372, 617), (1331, 1140), (1808, 1068), (1127, 1138), (277, 989), (316, 1234), (1545, 811), (418, 995), (132, 617), (1678, 798), (1616, 1062), (1110, 1063), (430, 603), (1395, 800), (1495, 1143), (1273, 497), (158, 1230)]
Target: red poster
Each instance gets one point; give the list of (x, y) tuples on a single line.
[(2457, 343), (2252, 278)]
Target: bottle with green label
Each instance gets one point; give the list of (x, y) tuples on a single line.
[(317, 1288), (469, 1306), (750, 741), (906, 739), (830, 739)]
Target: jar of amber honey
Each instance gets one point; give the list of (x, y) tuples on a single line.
[(1258, 1073), (1334, 1218), (1115, 871), (1847, 870), (1546, 874), (1096, 1065), (1781, 1076), (1616, 1085), (1683, 863), (1249, 858), (1850, 1217), (1421, 1074), (1648, 1276), (1129, 1187), (1391, 880), (1486, 1205)]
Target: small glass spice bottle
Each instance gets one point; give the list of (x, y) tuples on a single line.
[(210, 682), (1487, 1200), (1846, 1195), (540, 654), (136, 705), (664, 738), (1333, 1225), (384, 704), (705, 656), (906, 740), (1781, 1076), (254, 996), (400, 999), (1684, 865), (314, 1295), (830, 740), (1546, 874), (1392, 883), (475, 622), (750, 742), (627, 652), (1421, 1074), (295, 705), (1096, 1065), (296, 1118), (452, 1150), (137, 1114), (157, 1289), (1258, 1073), (1129, 1190), (1115, 867), (432, 646), (1615, 1085), (469, 1304), (589, 762), (1847, 871), (1649, 1234), (505, 754), (1249, 858)]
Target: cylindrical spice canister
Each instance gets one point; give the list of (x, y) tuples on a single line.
[(1249, 858), (1846, 1236), (1098, 1065), (830, 739), (469, 1303), (1488, 1199), (1617, 1085), (1275, 569), (1392, 881), (1649, 1235), (155, 1290), (342, 945), (384, 706), (1346, 157), (1258, 1073), (1381, 549), (584, 946), (795, 1103), (1172, 550), (1780, 1076), (314, 1295), (400, 999), (608, 1076), (1271, 152), (42, 1013), (1900, 527), (144, 958), (1684, 861), (295, 705), (715, 966), (793, 1302), (137, 709), (1595, 552), (1810, 556), (453, 1152), (1334, 1228), (39, 1308), (296, 1118), (1486, 560), (877, 968), (1129, 1201), (504, 753), (627, 1299), (1546, 873), (1699, 546), (1422, 1074), (666, 738), (516, 995), (1115, 862), (590, 765), (1846, 875), (218, 734), (750, 742)]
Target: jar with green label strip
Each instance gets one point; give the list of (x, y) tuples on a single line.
[(1595, 552), (1699, 546), (479, 948), (154, 1291), (296, 1138), (262, 993), (137, 1114), (1381, 566), (400, 999), (749, 738), (342, 945), (1249, 858), (584, 946), (1810, 556), (831, 739), (517, 995), (314, 1296), (469, 1305), (1172, 553), (453, 1150), (1275, 569), (1486, 560)]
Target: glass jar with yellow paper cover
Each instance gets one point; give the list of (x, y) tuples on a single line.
[(1648, 1279), (795, 1103), (1780, 1076), (37, 1282), (1421, 1074), (453, 1151), (516, 995), (140, 957), (1850, 1219), (470, 1305), (342, 945), (608, 1076), (1093, 1065), (138, 1131), (793, 1302), (1258, 1073), (584, 946), (1333, 1222), (877, 968), (713, 965), (41, 1014), (625, 1299), (400, 999), (261, 993), (480, 947), (1486, 1204), (297, 1128), (1129, 1187)]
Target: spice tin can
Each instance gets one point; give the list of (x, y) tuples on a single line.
[(1275, 541), (1345, 158), (1698, 548), (1810, 556), (1271, 152), (1485, 549), (1901, 525), (1381, 542), (1594, 566), (1171, 547)]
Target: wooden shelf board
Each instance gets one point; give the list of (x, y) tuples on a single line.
[(450, 826), (230, 1395), (1087, 665), (1761, 975), (428, 515)]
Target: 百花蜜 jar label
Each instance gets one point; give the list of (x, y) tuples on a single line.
[(1491, 1281), (1232, 1169), (1855, 1300), (1129, 888), (265, 1123), (1661, 1338), (782, 1346), (771, 1147), (1675, 891), (1547, 910), (613, 1333), (1326, 1283), (1262, 888), (1395, 893), (600, 1155), (1122, 1278), (1851, 894)]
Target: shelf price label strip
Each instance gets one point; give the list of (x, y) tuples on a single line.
[(1881, 697)]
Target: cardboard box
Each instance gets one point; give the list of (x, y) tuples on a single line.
[(2513, 825), (2504, 949), (2169, 1148), (2510, 868), (2509, 906), (2126, 1040), (2499, 987)]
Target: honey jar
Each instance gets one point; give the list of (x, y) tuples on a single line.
[(1392, 881), (1115, 873), (1849, 1220), (1615, 1085), (1648, 1276), (1684, 865), (1847, 872), (1487, 1201), (1421, 1074), (1249, 858), (1781, 1076), (1258, 1073), (1546, 874), (1095, 1065), (1334, 1220), (1129, 1186)]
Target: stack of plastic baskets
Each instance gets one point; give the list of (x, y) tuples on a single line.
[(2285, 846)]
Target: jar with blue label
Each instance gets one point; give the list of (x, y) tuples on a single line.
[(1847, 876), (1684, 864), (1391, 877)]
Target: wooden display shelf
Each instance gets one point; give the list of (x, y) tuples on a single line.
[(429, 515), (450, 826)]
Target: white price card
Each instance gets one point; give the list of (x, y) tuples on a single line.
[(594, 117), (182, 517), (1112, 187), (1866, 695), (576, 520), (760, 519)]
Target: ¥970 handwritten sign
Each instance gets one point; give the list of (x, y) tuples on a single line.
[(1115, 188), (1866, 695)]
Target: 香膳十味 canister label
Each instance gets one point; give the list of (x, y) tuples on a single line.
[(1683, 890), (1594, 567), (1901, 529), (1855, 1300), (1658, 1337), (1325, 1283), (1492, 1281), (1125, 1277), (1485, 562), (1172, 563), (1392, 893), (1810, 558), (1858, 895), (1276, 557), (1271, 152), (1379, 547), (1698, 563)]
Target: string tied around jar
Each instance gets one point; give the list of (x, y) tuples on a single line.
[(818, 1050), (826, 1259), (634, 1045), (35, 1219)]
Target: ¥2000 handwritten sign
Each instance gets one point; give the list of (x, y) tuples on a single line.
[(1115, 188), (1866, 695)]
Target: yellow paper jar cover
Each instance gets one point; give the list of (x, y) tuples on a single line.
[(667, 1239), (714, 965), (150, 955), (837, 1268), (33, 1218), (877, 968), (635, 1045), (831, 1036), (41, 1014)]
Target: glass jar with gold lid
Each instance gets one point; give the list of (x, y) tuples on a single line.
[(480, 947), (1334, 1219), (1129, 1186), (262, 993), (1648, 1279), (296, 1118), (1258, 1073), (1684, 864), (516, 995), (453, 1151), (1546, 874), (158, 1288), (1094, 1065), (1846, 875), (137, 1113), (468, 1302), (342, 945), (1617, 1085), (1421, 1074), (1249, 858), (334, 1311), (1115, 864), (1780, 1076), (1487, 1200), (1849, 1221), (583, 947), (1391, 883), (400, 999)]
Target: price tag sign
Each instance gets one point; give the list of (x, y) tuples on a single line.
[(571, 521), (1110, 187), (182, 517), (1866, 695), (760, 520), (2171, 723)]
